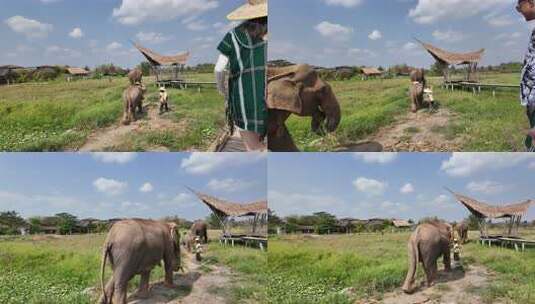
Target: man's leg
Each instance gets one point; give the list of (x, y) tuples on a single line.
[(530, 144)]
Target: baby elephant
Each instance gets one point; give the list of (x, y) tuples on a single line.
[(427, 243), (133, 99), (135, 247), (135, 76)]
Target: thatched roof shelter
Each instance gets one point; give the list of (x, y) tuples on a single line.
[(166, 68), (159, 60), (446, 59), (225, 210), (77, 72), (483, 211), (401, 224), (371, 72)]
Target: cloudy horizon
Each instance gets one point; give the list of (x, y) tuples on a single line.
[(383, 32), (89, 33), (397, 185), (118, 185)]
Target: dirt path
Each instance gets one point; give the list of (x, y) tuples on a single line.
[(114, 136), (455, 287), (195, 286), (418, 132)]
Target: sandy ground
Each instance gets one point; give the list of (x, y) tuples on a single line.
[(416, 132), (108, 138), (455, 287), (194, 286)]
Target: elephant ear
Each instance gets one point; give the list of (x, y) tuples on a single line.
[(173, 232), (284, 94)]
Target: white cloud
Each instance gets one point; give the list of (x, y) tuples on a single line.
[(378, 157), (344, 3), (118, 158), (499, 20), (486, 187), (76, 33), (375, 35), (146, 187), (109, 186), (333, 31), (449, 36), (356, 52), (152, 37), (441, 199), (430, 11), (409, 46), (204, 163), (465, 164), (370, 186), (61, 51), (114, 46), (29, 27), (133, 12), (228, 184), (288, 203), (196, 25), (407, 188), (223, 28)]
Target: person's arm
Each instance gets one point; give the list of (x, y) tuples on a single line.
[(219, 71)]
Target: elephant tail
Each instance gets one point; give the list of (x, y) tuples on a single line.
[(413, 253), (105, 254)]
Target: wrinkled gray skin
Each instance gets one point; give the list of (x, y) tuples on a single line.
[(135, 76), (462, 231), (135, 247), (426, 244), (132, 99), (200, 229), (416, 90)]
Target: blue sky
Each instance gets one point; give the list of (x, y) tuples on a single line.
[(405, 186), (380, 32), (148, 185), (81, 32)]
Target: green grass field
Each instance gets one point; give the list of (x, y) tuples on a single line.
[(57, 115), (488, 123), (316, 269), (59, 270)]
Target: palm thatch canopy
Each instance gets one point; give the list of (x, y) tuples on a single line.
[(77, 71), (224, 208), (483, 210), (159, 60), (401, 223), (450, 57), (371, 72)]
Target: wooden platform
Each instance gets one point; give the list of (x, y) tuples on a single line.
[(477, 87), (228, 143), (184, 84), (247, 241), (518, 244)]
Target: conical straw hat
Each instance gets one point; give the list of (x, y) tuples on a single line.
[(253, 9)]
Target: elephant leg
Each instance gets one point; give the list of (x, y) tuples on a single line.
[(107, 292), (119, 296), (143, 291), (431, 272), (282, 141)]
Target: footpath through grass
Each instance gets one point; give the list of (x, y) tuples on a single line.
[(317, 269), (487, 123), (58, 116), (66, 270)]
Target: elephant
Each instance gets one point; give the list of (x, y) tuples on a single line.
[(462, 231), (416, 91), (426, 244), (135, 76), (134, 247), (298, 90), (200, 229), (133, 99)]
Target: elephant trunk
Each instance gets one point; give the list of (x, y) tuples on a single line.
[(331, 108), (413, 263)]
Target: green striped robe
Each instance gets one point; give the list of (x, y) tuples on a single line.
[(247, 81)]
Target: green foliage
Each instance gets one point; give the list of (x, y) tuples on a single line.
[(66, 222), (473, 222), (213, 221), (145, 68), (10, 222)]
